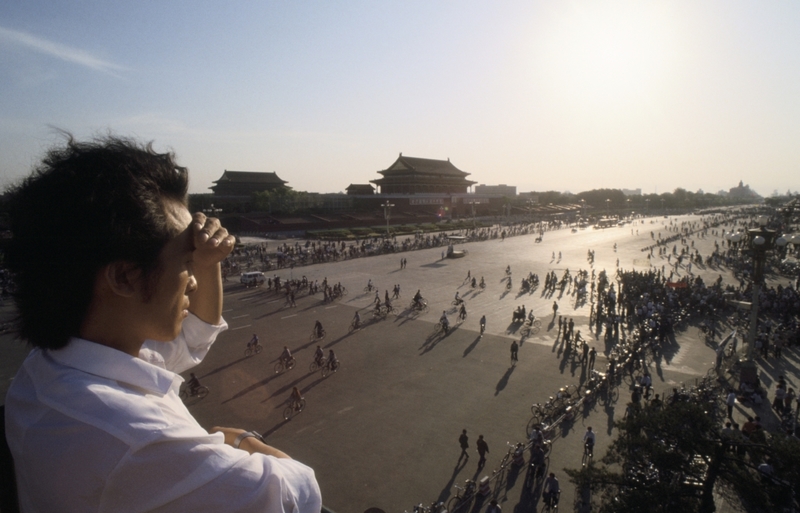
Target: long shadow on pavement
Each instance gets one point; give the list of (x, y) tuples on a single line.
[(504, 380), (472, 346), (445, 493)]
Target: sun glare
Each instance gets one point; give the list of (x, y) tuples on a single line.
[(598, 53)]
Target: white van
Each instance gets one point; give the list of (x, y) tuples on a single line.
[(254, 278)]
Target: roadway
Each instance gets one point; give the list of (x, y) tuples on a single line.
[(383, 431)]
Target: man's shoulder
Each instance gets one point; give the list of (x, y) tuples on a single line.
[(80, 398)]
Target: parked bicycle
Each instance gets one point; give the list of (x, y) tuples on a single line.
[(462, 502)]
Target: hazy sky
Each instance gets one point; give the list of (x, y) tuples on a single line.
[(556, 95)]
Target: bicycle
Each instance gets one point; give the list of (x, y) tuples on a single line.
[(317, 365), (422, 306), (354, 325), (283, 365), (461, 503), (314, 336), (253, 350), (513, 454), (440, 328), (588, 452), (329, 368), (293, 408), (551, 502), (199, 392), (530, 329)]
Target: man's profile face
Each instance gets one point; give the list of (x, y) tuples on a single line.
[(168, 304)]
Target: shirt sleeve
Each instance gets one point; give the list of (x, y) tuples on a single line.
[(188, 349), (171, 474)]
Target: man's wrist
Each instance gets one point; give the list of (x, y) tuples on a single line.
[(246, 434)]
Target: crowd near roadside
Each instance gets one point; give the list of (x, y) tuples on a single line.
[(637, 313)]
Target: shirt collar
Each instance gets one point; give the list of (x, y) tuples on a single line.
[(113, 364)]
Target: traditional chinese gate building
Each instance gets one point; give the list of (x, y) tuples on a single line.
[(412, 175)]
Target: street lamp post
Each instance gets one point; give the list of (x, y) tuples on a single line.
[(213, 212), (472, 204), (608, 207), (387, 213), (530, 211), (761, 240)]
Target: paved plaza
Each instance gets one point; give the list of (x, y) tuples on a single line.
[(383, 431)]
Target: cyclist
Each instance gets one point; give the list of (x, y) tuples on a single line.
[(418, 300), (445, 322), (193, 384), (369, 285), (319, 355), (377, 306), (462, 314), (508, 269), (483, 324), (388, 304), (295, 398), (483, 283), (550, 489), (333, 362), (588, 440), (474, 282), (253, 341), (531, 317), (357, 320), (458, 300), (319, 332), (286, 356)]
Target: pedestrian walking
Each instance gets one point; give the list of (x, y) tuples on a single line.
[(788, 399), (555, 309), (592, 356), (780, 395), (463, 440), (730, 401), (482, 448), (514, 352), (585, 351)]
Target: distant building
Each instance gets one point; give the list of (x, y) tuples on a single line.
[(412, 175), (358, 189), (632, 192), (245, 183), (742, 191), (502, 189)]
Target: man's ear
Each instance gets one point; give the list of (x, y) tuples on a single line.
[(122, 278)]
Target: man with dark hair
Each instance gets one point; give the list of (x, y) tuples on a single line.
[(132, 295)]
